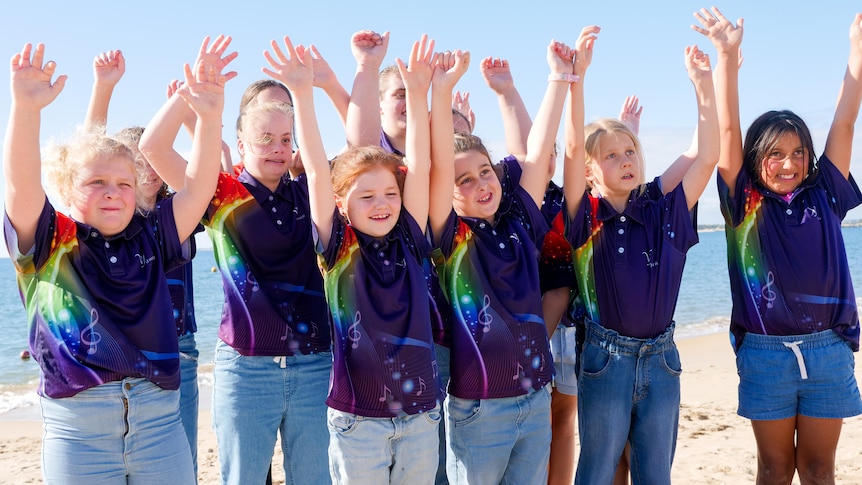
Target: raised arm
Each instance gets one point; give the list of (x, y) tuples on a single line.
[(461, 104), (32, 90), (362, 123), (450, 68), (540, 143), (574, 169), (325, 79), (294, 67), (204, 93), (839, 142), (708, 141), (417, 79), (108, 69), (727, 39), (157, 142), (516, 118), (189, 121)]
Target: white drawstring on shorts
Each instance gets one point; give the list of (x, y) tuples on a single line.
[(794, 346), (282, 360)]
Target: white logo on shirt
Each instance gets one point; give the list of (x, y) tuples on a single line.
[(143, 260), (649, 262)]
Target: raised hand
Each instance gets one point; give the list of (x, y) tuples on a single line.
[(497, 75), (173, 86), (214, 54), (203, 90), (461, 103), (560, 57), (420, 67), (324, 76), (584, 49), (109, 67), (725, 36), (630, 113), (31, 81), (856, 35), (369, 48), (697, 64), (450, 67), (295, 69)]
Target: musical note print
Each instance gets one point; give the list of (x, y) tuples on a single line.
[(519, 373), (387, 394), (250, 278), (353, 333), (422, 387), (89, 336), (484, 317), (434, 370), (767, 292)]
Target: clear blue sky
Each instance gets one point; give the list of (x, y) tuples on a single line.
[(795, 54)]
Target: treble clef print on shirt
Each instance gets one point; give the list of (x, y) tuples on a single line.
[(768, 294), (89, 336), (353, 332), (484, 317)]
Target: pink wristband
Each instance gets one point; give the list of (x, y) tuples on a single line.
[(563, 77)]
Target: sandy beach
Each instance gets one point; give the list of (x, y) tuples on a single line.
[(715, 445)]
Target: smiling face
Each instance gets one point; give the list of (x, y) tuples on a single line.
[(393, 108), (372, 202), (103, 193), (266, 145), (477, 187), (786, 165)]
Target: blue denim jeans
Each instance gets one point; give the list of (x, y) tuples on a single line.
[(372, 451), (628, 391), (125, 431), (443, 354), (499, 441), (189, 392), (256, 397)]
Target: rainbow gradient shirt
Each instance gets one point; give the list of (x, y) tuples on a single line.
[(384, 363), (556, 265), (629, 265), (489, 276), (98, 308), (786, 259), (274, 302)]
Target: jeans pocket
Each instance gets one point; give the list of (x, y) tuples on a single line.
[(595, 360), (463, 411), (226, 355), (433, 416), (671, 361), (341, 422)]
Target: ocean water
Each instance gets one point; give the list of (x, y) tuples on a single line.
[(703, 307)]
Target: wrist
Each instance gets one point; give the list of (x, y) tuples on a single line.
[(563, 77)]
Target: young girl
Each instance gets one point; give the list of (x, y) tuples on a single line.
[(630, 242), (385, 393), (795, 322), (273, 356), (94, 285), (487, 259)]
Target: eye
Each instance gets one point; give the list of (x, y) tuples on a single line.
[(799, 153), (776, 155), (465, 181), (286, 140), (611, 156), (630, 152)]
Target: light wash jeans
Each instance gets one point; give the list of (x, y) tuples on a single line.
[(443, 355), (499, 441), (125, 431), (373, 451), (628, 390), (256, 397), (189, 392)]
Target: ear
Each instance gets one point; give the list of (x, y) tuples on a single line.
[(240, 147), (342, 208)]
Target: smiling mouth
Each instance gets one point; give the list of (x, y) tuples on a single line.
[(485, 199), (380, 217)]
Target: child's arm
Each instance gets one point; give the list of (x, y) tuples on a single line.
[(108, 69), (204, 93), (839, 142), (540, 143), (449, 70), (574, 169), (461, 103), (727, 39), (32, 90), (516, 118), (325, 79), (295, 69), (417, 79), (157, 142), (189, 123), (362, 123), (708, 140)]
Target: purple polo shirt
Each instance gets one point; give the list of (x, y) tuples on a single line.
[(387, 145), (98, 307), (489, 276), (384, 363), (556, 268), (629, 265), (786, 259), (274, 303)]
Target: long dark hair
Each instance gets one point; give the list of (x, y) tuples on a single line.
[(763, 135)]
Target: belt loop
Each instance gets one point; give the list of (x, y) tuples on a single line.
[(794, 346)]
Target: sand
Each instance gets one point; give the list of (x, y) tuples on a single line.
[(715, 445)]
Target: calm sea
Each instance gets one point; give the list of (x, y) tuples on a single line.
[(703, 307)]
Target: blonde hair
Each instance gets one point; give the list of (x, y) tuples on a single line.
[(355, 161), (248, 119), (249, 97), (62, 161), (130, 137), (593, 134)]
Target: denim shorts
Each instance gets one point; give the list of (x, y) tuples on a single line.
[(189, 393), (564, 348), (383, 450), (126, 431), (784, 376)]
